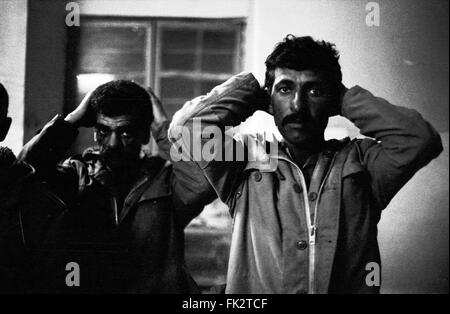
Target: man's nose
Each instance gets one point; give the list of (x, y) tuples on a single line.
[(114, 140), (297, 103)]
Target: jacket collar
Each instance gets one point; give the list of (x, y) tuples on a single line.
[(266, 154), (146, 185)]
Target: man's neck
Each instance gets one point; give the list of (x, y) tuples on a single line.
[(125, 178), (301, 153)]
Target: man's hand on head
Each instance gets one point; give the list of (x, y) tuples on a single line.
[(159, 114), (82, 116), (340, 93), (263, 100)]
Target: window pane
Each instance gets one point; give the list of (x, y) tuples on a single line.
[(219, 39), (177, 87), (113, 61), (218, 63), (179, 38), (100, 37), (177, 61), (112, 49)]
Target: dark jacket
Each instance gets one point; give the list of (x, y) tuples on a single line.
[(290, 237), (137, 248), (13, 178), (27, 207)]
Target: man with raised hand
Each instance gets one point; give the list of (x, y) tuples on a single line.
[(305, 216), (125, 213)]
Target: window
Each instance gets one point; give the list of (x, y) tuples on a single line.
[(180, 59)]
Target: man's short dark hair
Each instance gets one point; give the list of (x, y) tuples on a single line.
[(303, 53), (122, 97), (4, 101)]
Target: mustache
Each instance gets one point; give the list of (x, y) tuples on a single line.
[(113, 155), (292, 118)]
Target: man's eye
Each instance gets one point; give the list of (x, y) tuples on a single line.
[(315, 92), (125, 134), (102, 132), (284, 90)]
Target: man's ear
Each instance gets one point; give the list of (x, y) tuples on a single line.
[(4, 127)]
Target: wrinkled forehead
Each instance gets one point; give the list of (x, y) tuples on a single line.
[(286, 74), (117, 121)]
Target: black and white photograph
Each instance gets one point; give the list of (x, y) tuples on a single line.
[(224, 147)]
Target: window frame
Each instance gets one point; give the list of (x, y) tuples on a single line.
[(154, 27), (237, 24)]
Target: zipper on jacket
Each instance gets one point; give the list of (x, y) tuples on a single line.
[(116, 212), (312, 258), (312, 225)]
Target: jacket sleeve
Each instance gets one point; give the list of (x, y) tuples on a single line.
[(191, 190), (401, 141), (205, 119), (46, 150)]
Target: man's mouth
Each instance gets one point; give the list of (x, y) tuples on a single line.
[(113, 158), (293, 121), (294, 125)]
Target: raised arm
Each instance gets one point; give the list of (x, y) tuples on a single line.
[(227, 105), (46, 151), (403, 142), (190, 188)]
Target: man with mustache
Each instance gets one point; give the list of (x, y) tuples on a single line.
[(125, 213), (305, 218)]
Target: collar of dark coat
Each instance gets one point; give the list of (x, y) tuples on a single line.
[(152, 181), (266, 160)]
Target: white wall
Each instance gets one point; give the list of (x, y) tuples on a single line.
[(13, 23), (167, 8)]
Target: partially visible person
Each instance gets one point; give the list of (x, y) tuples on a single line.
[(5, 121), (13, 177), (125, 212)]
